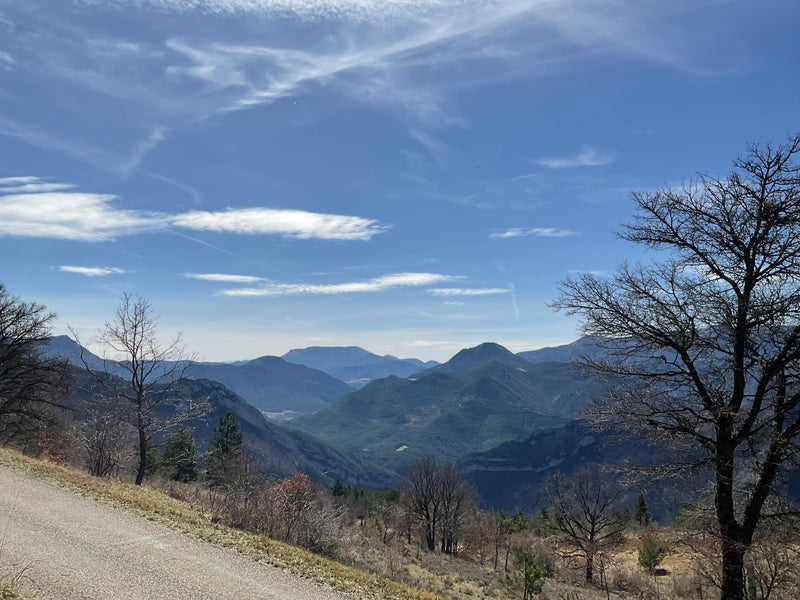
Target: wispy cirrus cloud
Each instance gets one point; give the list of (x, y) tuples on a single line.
[(288, 223), (182, 76), (95, 218), (4, 181), (352, 9), (223, 278), (521, 177), (468, 291), (123, 162), (32, 188), (587, 157), (535, 231), (434, 147), (378, 284), (91, 271)]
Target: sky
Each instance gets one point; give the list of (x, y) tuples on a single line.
[(409, 176)]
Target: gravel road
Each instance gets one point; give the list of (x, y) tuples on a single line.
[(72, 547)]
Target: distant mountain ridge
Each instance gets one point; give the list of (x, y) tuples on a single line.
[(274, 386), (472, 358), (585, 346), (271, 384), (353, 364), (453, 409)]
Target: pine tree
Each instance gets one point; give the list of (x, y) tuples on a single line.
[(225, 462), (529, 578), (641, 516), (180, 461), (651, 553), (338, 489)]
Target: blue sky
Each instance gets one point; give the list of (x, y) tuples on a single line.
[(410, 176)]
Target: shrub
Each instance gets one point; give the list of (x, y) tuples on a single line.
[(651, 553)]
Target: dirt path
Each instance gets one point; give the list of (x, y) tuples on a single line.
[(71, 547)]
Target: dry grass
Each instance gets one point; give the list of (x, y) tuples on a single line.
[(445, 577), (9, 591), (159, 507)]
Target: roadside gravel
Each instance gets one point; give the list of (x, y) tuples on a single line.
[(73, 547)]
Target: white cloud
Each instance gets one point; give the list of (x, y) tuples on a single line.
[(91, 271), (223, 277), (537, 231), (468, 291), (290, 223), (94, 218), (308, 9), (585, 158), (378, 284), (33, 188), (71, 216), (18, 180)]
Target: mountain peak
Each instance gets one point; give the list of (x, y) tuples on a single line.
[(472, 358), (326, 358)]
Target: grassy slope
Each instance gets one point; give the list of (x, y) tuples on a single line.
[(175, 514)]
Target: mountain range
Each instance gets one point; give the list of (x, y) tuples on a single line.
[(353, 365), (277, 388), (508, 418), (482, 397)]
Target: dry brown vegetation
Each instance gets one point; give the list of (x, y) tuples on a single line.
[(367, 549)]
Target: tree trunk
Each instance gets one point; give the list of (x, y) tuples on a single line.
[(142, 450), (430, 537), (732, 570), (589, 566)]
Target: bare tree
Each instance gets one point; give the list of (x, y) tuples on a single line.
[(582, 512), (422, 485), (106, 435), (147, 370), (440, 497), (705, 343), (456, 501), (29, 381)]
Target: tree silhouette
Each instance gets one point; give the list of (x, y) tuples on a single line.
[(703, 344)]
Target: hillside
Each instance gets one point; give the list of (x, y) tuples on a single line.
[(394, 421), (271, 449), (276, 387), (511, 475)]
